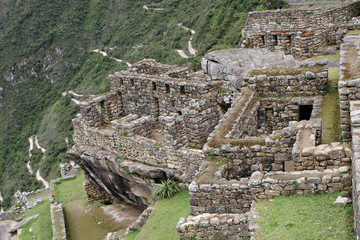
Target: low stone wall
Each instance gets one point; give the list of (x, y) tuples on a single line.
[(102, 109), (58, 221), (96, 194), (10, 215), (280, 183), (310, 79), (133, 124), (214, 226), (322, 157), (140, 149), (220, 197), (355, 131), (349, 83)]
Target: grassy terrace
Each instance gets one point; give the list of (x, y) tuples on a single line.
[(162, 221), (304, 217), (41, 226)]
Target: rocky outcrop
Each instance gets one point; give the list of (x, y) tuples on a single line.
[(103, 169)]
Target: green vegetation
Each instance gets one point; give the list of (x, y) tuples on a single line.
[(41, 226), (353, 32), (166, 189), (71, 189), (159, 227), (304, 217), (330, 57), (132, 236), (46, 48)]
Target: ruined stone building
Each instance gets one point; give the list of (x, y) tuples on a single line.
[(247, 127)]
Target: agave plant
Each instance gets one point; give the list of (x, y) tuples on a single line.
[(166, 189)]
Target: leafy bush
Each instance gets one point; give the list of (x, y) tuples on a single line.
[(166, 189)]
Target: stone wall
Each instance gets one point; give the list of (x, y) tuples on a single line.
[(102, 109), (140, 149), (280, 183), (299, 32), (276, 113), (322, 157), (10, 215), (133, 124), (355, 131), (349, 83), (310, 79), (96, 194), (214, 226), (220, 197), (159, 95)]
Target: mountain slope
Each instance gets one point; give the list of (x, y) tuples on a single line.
[(46, 49)]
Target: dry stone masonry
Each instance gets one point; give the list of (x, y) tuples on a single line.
[(248, 127)]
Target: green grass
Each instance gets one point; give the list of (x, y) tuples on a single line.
[(353, 32), (333, 76), (330, 57), (304, 217), (132, 235), (42, 228), (162, 221), (72, 189)]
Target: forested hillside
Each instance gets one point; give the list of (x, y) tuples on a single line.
[(46, 49)]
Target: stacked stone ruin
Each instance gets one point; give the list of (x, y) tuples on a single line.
[(247, 128), (300, 32)]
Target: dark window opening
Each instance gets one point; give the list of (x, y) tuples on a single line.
[(289, 38), (263, 39), (156, 108), (102, 104), (179, 113), (167, 86), (182, 89), (132, 81), (154, 85), (276, 40), (224, 106), (305, 112), (269, 113), (121, 81)]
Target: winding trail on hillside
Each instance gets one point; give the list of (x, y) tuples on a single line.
[(192, 31), (182, 53), (1, 200), (107, 55), (28, 166), (31, 147), (73, 94), (155, 9)]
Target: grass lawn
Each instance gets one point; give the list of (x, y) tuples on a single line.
[(132, 235), (162, 221), (71, 189), (330, 57), (42, 228), (304, 217)]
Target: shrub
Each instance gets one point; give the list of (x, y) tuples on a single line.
[(166, 189)]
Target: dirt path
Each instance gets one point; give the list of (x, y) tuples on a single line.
[(182, 53), (28, 166), (192, 31), (1, 200), (155, 9), (31, 147), (40, 178), (106, 55)]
